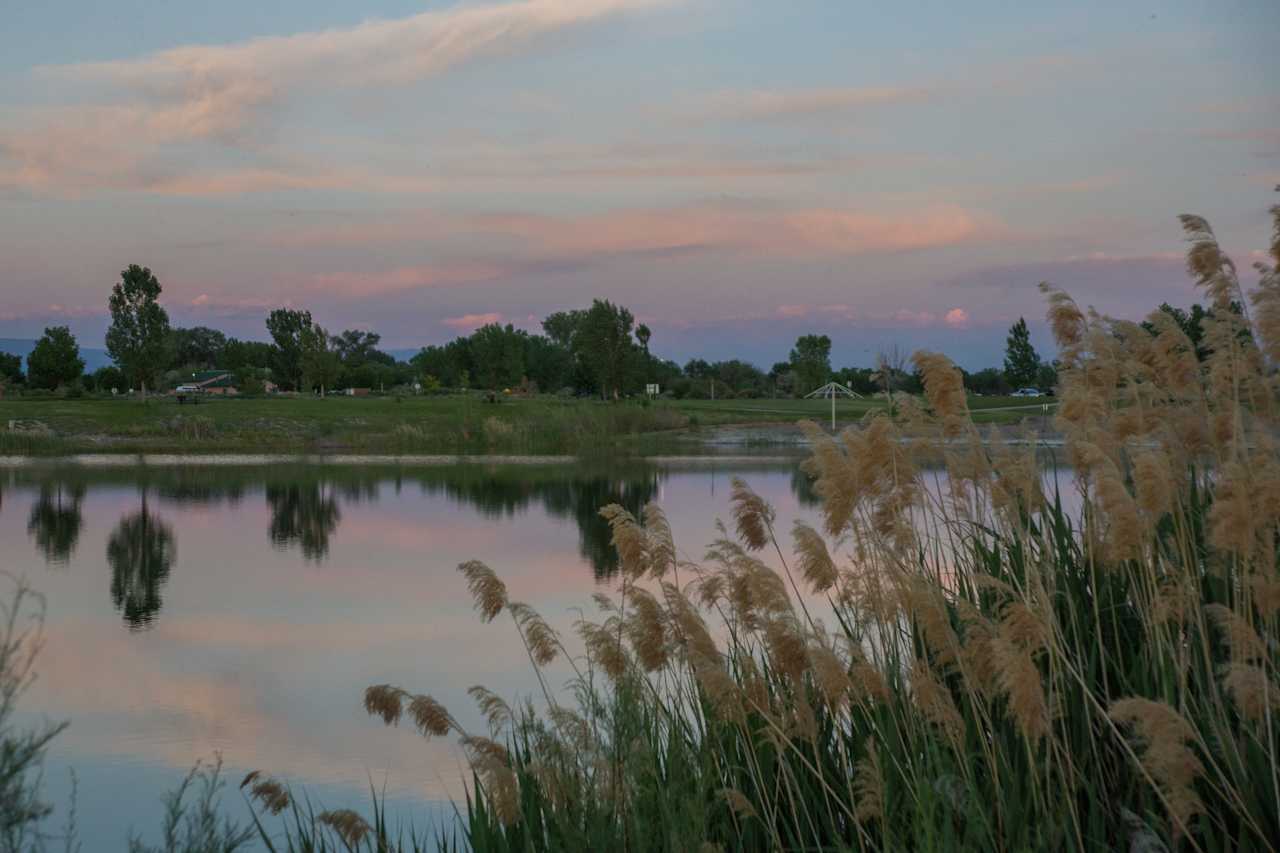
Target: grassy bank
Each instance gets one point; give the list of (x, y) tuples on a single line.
[(437, 424)]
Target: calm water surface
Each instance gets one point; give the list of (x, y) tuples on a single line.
[(242, 610)]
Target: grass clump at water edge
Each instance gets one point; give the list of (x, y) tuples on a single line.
[(964, 666)]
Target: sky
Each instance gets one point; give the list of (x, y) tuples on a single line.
[(736, 173)]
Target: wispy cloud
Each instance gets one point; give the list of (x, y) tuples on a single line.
[(765, 105), (747, 228), (471, 322), (126, 111)]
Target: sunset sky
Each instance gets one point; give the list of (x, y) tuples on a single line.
[(737, 173)]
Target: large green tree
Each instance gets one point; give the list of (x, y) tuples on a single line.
[(497, 353), (11, 369), (811, 361), (1021, 362), (56, 360), (602, 341), (355, 347), (287, 327), (320, 364), (198, 348), (139, 337)]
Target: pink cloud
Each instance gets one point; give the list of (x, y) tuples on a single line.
[(407, 278), (957, 318), (221, 92), (800, 231), (793, 310), (774, 104), (471, 322), (907, 317)]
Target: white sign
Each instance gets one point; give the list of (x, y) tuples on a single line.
[(651, 389)]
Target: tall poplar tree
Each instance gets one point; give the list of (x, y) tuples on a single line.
[(139, 338)]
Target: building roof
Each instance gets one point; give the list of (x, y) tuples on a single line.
[(214, 379)]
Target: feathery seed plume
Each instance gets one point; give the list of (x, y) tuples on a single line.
[(489, 593)]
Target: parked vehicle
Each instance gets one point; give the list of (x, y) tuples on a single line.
[(1027, 392)]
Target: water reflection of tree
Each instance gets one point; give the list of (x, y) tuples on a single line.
[(578, 495), (56, 520), (303, 514), (140, 552), (802, 488)]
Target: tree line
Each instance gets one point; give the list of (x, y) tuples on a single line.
[(599, 350)]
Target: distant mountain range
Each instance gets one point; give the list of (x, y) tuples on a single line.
[(93, 358)]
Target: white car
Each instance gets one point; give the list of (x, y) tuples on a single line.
[(1026, 392), (187, 389)]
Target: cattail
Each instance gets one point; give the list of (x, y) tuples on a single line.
[(944, 388), (830, 675), (604, 648), (834, 479), (738, 801), (935, 703), (1232, 517), (662, 548), (429, 716), (1124, 528), (752, 515), (1173, 355), (721, 690), (493, 706), (802, 722), (868, 682), (1242, 640), (1153, 483), (488, 592), (868, 785), (755, 688), (1266, 309), (785, 641), (273, 795), (1021, 625), (647, 630), (1019, 680), (544, 644), (928, 611), (349, 826), (628, 539), (482, 748), (1266, 595), (383, 700), (814, 561), (1167, 758), (1254, 694), (1210, 266), (976, 659), (687, 625), (575, 730), (498, 780), (1066, 320)]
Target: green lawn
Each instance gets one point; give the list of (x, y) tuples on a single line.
[(429, 424)]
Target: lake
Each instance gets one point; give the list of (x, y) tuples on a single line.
[(241, 609)]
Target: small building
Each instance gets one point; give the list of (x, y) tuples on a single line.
[(215, 382), (357, 392)]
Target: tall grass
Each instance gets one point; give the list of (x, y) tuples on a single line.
[(958, 664)]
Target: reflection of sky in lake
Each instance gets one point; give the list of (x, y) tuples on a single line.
[(244, 613)]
